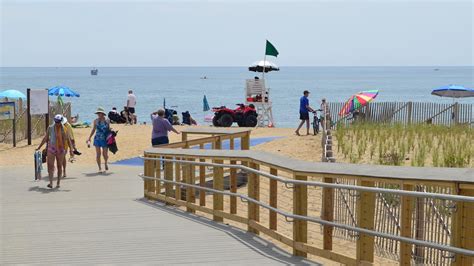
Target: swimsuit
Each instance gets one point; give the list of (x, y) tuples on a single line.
[(57, 138), (101, 133)]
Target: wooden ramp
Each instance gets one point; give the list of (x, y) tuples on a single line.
[(103, 219)]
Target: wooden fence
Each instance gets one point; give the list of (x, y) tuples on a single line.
[(195, 178), (410, 112), (38, 122)]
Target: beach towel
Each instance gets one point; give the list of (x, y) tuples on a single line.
[(111, 142), (38, 157)]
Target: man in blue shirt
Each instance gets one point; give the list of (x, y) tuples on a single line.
[(304, 112)]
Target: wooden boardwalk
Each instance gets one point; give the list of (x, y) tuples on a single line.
[(102, 219)]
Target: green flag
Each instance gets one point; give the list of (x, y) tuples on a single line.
[(271, 50)]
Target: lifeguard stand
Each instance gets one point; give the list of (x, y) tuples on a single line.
[(258, 95)]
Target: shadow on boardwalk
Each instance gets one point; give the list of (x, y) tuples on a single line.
[(251, 241)]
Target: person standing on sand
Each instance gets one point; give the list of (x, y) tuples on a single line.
[(56, 139), (131, 103), (101, 129), (304, 112), (161, 127)]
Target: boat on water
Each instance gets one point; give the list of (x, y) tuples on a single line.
[(94, 72)]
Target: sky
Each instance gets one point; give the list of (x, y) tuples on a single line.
[(233, 33)]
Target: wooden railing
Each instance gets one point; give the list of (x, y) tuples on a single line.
[(295, 202)]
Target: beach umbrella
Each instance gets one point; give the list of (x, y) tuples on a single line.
[(12, 94), (205, 104), (453, 91), (62, 91), (357, 101), (262, 65)]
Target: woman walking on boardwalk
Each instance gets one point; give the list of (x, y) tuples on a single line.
[(56, 141), (101, 129)]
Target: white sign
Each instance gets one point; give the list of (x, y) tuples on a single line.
[(38, 102), (255, 86)]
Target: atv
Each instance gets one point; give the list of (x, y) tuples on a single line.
[(243, 115)]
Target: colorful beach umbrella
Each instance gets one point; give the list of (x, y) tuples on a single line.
[(205, 104), (12, 94), (453, 91), (358, 101), (62, 91)]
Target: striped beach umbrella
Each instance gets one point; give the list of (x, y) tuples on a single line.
[(358, 101)]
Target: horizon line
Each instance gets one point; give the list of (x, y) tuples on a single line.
[(92, 66)]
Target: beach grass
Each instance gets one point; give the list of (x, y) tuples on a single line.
[(409, 145)]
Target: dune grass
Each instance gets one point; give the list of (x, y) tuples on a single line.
[(414, 145)]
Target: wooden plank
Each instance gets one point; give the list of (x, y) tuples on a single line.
[(148, 171), (218, 183), (328, 213), (462, 228), (253, 187), (300, 207), (195, 207), (407, 208), (273, 200), (365, 219)]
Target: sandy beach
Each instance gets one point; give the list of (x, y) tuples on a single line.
[(133, 140)]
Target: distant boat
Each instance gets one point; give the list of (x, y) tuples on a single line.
[(94, 72), (205, 77), (436, 69)]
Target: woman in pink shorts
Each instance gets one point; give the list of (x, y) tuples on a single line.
[(55, 140)]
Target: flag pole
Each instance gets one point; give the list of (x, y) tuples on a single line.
[(264, 60)]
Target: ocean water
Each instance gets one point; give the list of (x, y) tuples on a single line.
[(184, 89)]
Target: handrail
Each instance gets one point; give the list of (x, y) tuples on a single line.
[(320, 221), (322, 184)]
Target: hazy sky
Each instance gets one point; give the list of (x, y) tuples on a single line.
[(233, 33)]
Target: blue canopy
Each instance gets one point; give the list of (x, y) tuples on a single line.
[(205, 104), (453, 91), (62, 91), (12, 94)]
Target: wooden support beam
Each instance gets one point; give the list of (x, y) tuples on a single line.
[(168, 175), (365, 219), (157, 166), (245, 142), (273, 199), (328, 213), (233, 188), (300, 207), (462, 227), (218, 183), (184, 136), (148, 171), (253, 187), (202, 180), (190, 179), (407, 208), (177, 176)]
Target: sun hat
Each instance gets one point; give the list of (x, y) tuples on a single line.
[(64, 121), (58, 118), (100, 110)]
